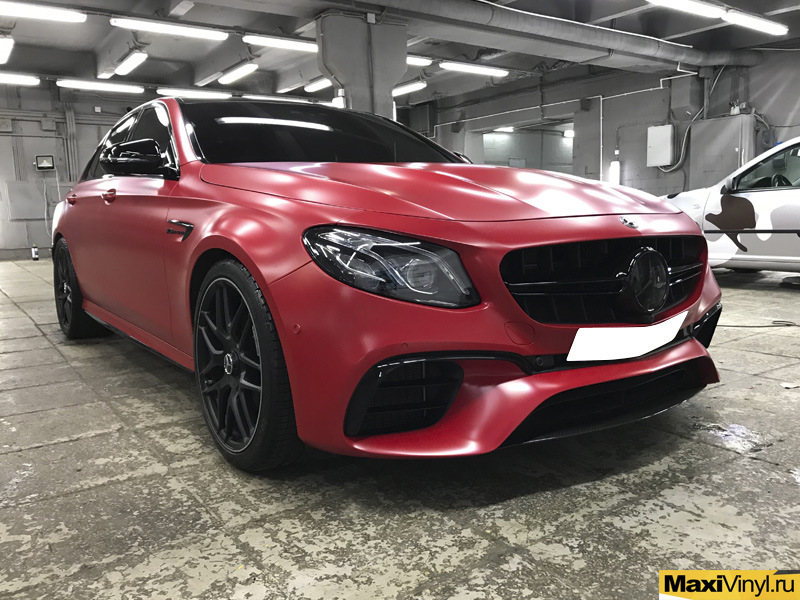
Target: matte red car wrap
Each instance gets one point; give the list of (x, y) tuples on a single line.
[(144, 282)]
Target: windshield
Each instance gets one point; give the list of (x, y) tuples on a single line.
[(232, 132)]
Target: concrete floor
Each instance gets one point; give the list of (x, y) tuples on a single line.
[(110, 486)]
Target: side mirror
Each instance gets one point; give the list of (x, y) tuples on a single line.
[(728, 186), (139, 157)]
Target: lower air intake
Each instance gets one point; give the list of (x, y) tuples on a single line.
[(402, 396)]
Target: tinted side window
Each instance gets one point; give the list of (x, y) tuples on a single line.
[(119, 134), (154, 125), (779, 170)]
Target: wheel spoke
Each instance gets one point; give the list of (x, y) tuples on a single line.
[(211, 348), (239, 323), (226, 309), (246, 414), (228, 414), (237, 415), (247, 385), (253, 364), (211, 325)]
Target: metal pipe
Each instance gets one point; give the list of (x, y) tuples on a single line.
[(504, 19)]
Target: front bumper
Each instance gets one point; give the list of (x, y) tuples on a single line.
[(334, 335)]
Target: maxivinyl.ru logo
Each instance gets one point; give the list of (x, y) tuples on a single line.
[(725, 585)]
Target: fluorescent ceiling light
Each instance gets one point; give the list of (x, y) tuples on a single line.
[(133, 60), (504, 130), (6, 46), (407, 88), (169, 29), (267, 121), (318, 84), (695, 7), (470, 68), (237, 73), (754, 22), (279, 42), (17, 79), (19, 10), (569, 133), (419, 61), (199, 94), (288, 88), (278, 98), (100, 86)]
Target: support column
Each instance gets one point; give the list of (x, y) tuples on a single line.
[(366, 59), (453, 137)]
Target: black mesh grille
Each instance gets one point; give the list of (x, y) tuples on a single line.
[(579, 282), (609, 404), (402, 397)]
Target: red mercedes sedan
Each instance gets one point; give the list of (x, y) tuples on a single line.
[(337, 280)]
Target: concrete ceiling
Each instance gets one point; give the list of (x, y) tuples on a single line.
[(76, 50)]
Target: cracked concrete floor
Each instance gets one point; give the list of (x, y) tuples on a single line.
[(111, 488)]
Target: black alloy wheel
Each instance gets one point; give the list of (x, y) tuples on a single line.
[(72, 319), (241, 373)]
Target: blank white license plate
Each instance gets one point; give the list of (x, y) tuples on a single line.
[(616, 343)]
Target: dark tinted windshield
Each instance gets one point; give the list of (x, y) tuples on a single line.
[(271, 132)]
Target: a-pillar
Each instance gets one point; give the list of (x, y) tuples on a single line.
[(366, 59)]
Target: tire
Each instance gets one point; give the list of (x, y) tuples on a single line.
[(241, 373), (73, 320)]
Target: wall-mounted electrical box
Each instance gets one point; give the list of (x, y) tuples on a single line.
[(660, 145)]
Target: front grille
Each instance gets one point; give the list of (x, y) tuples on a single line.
[(402, 396), (609, 404), (581, 282)]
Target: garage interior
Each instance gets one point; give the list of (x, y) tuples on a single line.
[(109, 484)]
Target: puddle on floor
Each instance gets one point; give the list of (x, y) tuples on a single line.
[(736, 437)]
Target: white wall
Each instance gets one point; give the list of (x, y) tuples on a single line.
[(45, 120), (540, 149)]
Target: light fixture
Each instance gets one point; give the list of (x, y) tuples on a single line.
[(736, 17), (6, 46), (17, 79), (237, 73), (19, 10), (280, 42), (199, 94), (694, 7), (100, 86), (288, 88), (418, 61), (339, 101), (407, 88), (569, 133), (269, 121), (614, 172), (169, 29), (475, 69), (278, 98), (504, 130), (317, 85), (130, 62)]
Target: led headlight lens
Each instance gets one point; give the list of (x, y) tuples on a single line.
[(391, 265)]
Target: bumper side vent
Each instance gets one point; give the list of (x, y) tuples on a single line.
[(402, 396)]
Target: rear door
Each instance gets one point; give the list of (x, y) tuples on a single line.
[(757, 222)]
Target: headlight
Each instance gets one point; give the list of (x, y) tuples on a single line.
[(391, 265)]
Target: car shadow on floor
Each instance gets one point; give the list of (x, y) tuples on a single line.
[(636, 454)]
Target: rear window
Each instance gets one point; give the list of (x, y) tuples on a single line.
[(229, 132)]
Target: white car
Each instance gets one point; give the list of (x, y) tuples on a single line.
[(751, 220)]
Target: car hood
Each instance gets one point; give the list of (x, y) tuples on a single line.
[(453, 191)]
